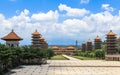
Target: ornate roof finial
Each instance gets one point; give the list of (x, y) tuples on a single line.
[(110, 30), (36, 30), (12, 30)]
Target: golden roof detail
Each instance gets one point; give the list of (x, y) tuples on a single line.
[(36, 33), (83, 42), (89, 40), (70, 47), (97, 38), (111, 33), (55, 47)]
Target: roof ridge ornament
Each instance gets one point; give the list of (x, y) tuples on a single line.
[(12, 30), (36, 30)]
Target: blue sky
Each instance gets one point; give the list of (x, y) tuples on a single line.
[(60, 22)]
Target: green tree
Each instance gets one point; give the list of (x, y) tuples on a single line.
[(100, 53)]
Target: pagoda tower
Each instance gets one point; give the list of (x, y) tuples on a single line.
[(111, 43), (83, 47), (12, 39), (43, 43), (89, 45), (97, 43), (38, 41)]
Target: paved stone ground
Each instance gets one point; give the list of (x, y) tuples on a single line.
[(70, 67)]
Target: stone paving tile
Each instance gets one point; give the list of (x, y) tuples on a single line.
[(70, 67)]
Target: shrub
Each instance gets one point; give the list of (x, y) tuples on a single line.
[(92, 54), (100, 53)]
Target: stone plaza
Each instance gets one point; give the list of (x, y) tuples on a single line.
[(70, 67)]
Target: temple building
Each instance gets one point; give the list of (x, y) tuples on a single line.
[(97, 43), (89, 45), (70, 48), (56, 49), (38, 41), (12, 39), (64, 50), (83, 47), (111, 43)]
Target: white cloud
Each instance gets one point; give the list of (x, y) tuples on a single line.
[(107, 7), (73, 11), (47, 24), (84, 1), (49, 16)]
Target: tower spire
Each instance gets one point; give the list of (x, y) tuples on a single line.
[(36, 30), (12, 30), (76, 42)]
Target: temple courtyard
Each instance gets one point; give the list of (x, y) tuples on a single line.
[(72, 66)]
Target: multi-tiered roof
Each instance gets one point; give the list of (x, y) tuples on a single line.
[(38, 41), (89, 45), (83, 47), (97, 42), (111, 43)]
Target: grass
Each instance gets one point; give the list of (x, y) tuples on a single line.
[(58, 57), (84, 58)]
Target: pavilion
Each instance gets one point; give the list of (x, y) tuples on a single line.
[(12, 39)]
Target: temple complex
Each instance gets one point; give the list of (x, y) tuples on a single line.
[(38, 41), (89, 45), (97, 43), (64, 50), (111, 43), (83, 47), (12, 39)]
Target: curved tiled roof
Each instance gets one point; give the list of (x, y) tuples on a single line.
[(36, 33), (89, 40), (12, 36), (55, 47), (97, 38), (70, 47), (42, 39), (111, 33), (83, 43)]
